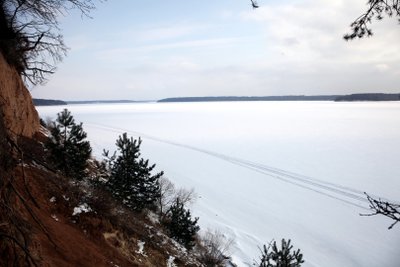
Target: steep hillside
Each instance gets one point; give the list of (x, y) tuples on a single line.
[(50, 220), (18, 113)]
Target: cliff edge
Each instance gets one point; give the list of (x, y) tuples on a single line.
[(19, 115)]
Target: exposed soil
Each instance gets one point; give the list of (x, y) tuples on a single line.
[(109, 235)]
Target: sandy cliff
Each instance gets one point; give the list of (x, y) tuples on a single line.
[(19, 114)]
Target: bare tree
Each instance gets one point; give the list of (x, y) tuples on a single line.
[(216, 248), (377, 9), (29, 34), (169, 195), (186, 196), (385, 208)]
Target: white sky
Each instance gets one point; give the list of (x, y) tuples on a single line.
[(148, 50)]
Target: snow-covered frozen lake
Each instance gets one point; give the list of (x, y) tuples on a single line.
[(272, 170)]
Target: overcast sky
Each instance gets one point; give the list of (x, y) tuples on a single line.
[(148, 50)]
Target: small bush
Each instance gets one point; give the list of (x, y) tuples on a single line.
[(180, 225), (215, 249), (272, 256)]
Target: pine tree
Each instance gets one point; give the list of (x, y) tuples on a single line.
[(131, 180), (180, 225), (68, 149), (272, 256)]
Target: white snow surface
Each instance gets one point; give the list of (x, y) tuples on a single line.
[(55, 217), (141, 248), (170, 262), (82, 208), (272, 170)]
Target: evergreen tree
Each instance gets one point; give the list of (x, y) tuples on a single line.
[(131, 180), (68, 149), (180, 225), (272, 256)]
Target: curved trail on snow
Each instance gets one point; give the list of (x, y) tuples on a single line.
[(338, 192)]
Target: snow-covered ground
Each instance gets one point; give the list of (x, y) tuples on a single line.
[(272, 170)]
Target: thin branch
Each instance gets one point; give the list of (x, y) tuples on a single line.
[(377, 8), (33, 33), (35, 45), (20, 4), (385, 208)]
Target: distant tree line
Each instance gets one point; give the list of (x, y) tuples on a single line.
[(48, 102), (251, 98), (352, 97), (369, 97)]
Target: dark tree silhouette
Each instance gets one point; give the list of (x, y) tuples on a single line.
[(273, 256), (180, 225), (29, 34), (377, 9), (131, 180), (69, 151), (385, 208)]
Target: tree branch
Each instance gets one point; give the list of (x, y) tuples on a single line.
[(385, 208)]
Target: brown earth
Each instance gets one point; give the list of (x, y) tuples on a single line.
[(107, 236), (19, 115)]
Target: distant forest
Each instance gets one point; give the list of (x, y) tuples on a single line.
[(102, 102), (352, 97), (48, 102), (369, 97), (252, 98)]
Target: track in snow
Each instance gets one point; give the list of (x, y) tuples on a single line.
[(338, 192)]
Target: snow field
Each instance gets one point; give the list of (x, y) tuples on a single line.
[(272, 170)]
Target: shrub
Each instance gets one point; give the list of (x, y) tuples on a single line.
[(215, 249), (272, 256), (180, 225)]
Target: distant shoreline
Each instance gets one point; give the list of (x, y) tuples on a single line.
[(51, 102), (250, 98), (336, 98), (104, 102)]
